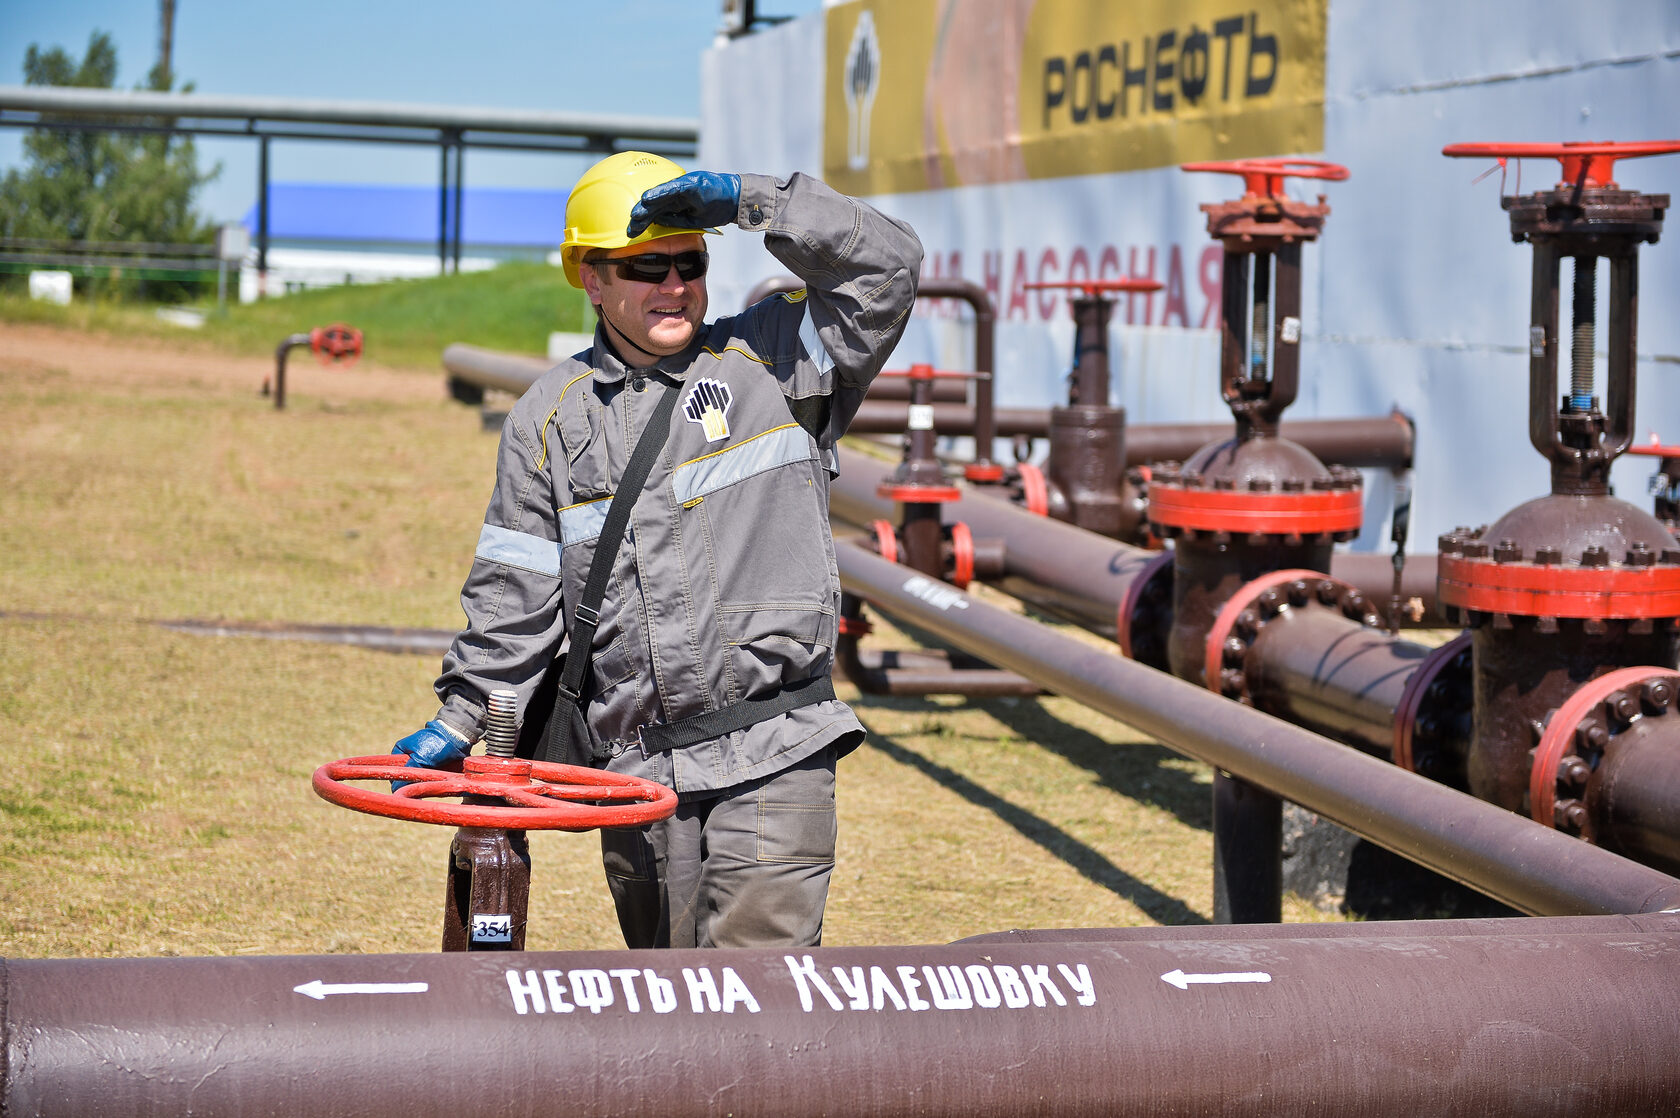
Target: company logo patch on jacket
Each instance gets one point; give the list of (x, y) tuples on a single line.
[(707, 404)]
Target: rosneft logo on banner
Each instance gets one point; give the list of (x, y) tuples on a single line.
[(923, 95)]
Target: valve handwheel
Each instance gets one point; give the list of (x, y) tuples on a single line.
[(1587, 165), (535, 795), (336, 344), (1263, 178)]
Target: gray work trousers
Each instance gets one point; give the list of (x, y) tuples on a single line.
[(743, 867)]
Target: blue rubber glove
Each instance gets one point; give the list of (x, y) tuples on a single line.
[(436, 743), (697, 200)]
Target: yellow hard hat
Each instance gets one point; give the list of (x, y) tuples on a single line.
[(598, 210)]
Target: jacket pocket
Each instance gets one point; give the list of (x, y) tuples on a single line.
[(776, 644), (610, 667)]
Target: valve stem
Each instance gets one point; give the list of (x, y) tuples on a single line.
[(501, 725), (1584, 337)]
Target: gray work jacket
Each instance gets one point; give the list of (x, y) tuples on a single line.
[(725, 586)]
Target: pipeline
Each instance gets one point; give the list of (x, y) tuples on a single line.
[(1087, 578), (1575, 1017), (1533, 869)]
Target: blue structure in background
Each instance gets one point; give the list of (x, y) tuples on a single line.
[(408, 215)]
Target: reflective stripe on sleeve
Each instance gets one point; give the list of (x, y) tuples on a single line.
[(518, 549), (813, 344), (776, 447)]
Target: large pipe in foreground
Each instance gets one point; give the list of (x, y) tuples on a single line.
[(1543, 1020), (1529, 867)]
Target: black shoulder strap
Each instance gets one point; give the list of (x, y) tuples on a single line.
[(586, 617)]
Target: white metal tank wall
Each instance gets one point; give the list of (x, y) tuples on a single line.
[(1414, 297)]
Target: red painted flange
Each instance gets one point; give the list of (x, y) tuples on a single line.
[(886, 539), (537, 796), (1560, 734), (1227, 617), (859, 627), (1263, 178), (1411, 697), (984, 473), (1242, 511), (1035, 491), (962, 556), (1550, 590), (1129, 601), (1587, 165), (336, 344), (917, 494)]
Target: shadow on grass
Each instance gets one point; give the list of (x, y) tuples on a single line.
[(1090, 864), (1135, 770)]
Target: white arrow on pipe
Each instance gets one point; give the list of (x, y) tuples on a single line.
[(321, 990), (1182, 981)]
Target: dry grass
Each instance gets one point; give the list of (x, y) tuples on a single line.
[(156, 798)]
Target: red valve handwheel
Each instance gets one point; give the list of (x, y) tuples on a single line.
[(1263, 178), (1093, 288), (536, 796), (1656, 449), (1585, 164), (335, 344), (886, 540), (928, 372)]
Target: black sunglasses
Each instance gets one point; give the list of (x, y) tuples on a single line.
[(653, 267)]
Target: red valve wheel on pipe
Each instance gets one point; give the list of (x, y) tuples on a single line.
[(1263, 178), (1588, 165), (336, 344), (536, 795)]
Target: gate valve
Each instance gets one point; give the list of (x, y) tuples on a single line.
[(1264, 216), (507, 793), (334, 344), (919, 478), (1088, 380)]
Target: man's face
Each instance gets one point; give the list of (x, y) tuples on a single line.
[(655, 318)]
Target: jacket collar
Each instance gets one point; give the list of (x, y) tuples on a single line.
[(611, 369)]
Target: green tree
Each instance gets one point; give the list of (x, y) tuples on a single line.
[(83, 185)]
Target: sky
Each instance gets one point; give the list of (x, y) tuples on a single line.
[(638, 57)]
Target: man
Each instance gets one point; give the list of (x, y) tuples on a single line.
[(724, 594)]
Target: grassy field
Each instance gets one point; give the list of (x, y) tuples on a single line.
[(405, 324), (157, 799)]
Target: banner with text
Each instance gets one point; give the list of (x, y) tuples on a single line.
[(928, 94)]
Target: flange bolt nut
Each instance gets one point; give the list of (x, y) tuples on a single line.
[(1548, 556), (1595, 556), (1571, 815), (1592, 736), (1507, 551), (1573, 772), (1641, 555), (1624, 706), (1656, 694)]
